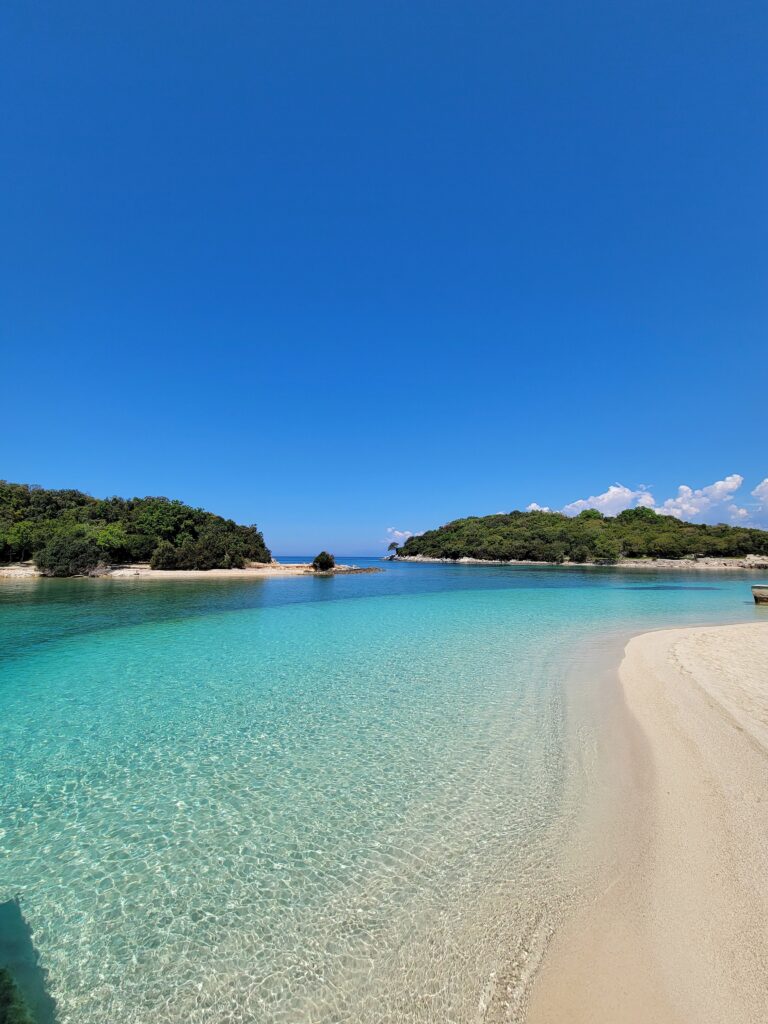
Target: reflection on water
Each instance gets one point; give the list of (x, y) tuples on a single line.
[(20, 959)]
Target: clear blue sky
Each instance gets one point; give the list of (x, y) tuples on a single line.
[(339, 267)]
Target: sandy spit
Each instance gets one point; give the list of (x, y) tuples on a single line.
[(272, 570), (142, 571), (677, 930)]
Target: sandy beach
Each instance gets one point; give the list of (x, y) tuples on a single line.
[(142, 571), (677, 930), (274, 570)]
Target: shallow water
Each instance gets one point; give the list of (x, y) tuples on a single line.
[(296, 800)]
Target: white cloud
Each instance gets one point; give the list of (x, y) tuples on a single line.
[(713, 503), (398, 536), (761, 493), (738, 515), (611, 502), (690, 503)]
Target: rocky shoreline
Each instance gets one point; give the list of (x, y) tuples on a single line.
[(756, 562)]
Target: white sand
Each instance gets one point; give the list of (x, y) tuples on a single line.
[(271, 570), (252, 572), (677, 933)]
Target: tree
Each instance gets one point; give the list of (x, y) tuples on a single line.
[(21, 540), (640, 514), (323, 562), (668, 546), (607, 550), (187, 555), (69, 554), (125, 529), (394, 547), (114, 542), (164, 556)]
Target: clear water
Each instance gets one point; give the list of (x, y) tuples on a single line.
[(300, 800)]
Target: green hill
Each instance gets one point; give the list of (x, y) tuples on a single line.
[(588, 537), (68, 532)]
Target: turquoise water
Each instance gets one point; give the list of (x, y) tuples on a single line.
[(300, 800)]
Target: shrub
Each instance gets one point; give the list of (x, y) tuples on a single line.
[(164, 556), (68, 555), (187, 555), (580, 554), (323, 562)]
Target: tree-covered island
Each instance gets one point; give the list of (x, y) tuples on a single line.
[(70, 533), (588, 537)]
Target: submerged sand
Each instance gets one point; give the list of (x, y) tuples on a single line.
[(677, 930)]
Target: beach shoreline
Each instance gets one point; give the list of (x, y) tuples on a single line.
[(671, 928), (143, 571), (758, 563)]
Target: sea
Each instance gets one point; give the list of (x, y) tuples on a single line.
[(307, 800)]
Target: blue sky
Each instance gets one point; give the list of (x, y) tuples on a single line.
[(337, 268)]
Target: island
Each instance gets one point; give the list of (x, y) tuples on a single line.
[(635, 537), (68, 533)]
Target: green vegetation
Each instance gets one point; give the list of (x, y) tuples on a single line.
[(69, 554), (12, 1007), (323, 562), (70, 533), (588, 537)]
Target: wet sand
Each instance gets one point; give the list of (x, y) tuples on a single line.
[(676, 930)]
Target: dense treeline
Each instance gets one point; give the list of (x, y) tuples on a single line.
[(588, 537), (68, 532)]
